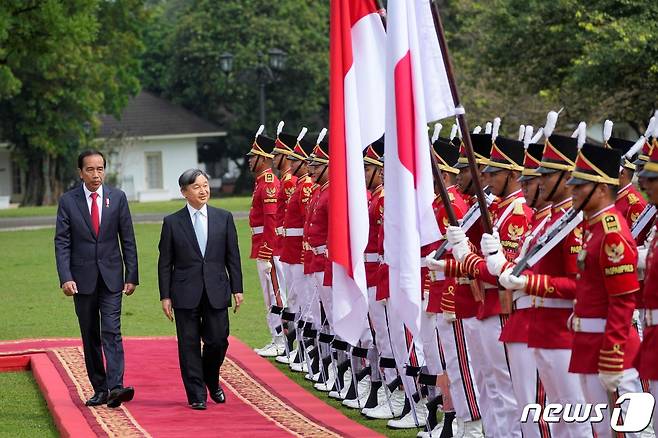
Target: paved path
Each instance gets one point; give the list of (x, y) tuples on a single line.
[(36, 222)]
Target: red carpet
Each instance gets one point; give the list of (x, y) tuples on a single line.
[(261, 401)]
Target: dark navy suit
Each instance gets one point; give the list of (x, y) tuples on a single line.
[(200, 288), (97, 265)]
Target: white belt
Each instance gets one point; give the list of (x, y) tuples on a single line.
[(292, 232), (319, 250), (486, 286), (423, 262), (651, 317), (463, 280), (527, 301), (371, 257), (587, 325), (279, 231), (257, 230)]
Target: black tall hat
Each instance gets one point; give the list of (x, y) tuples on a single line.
[(559, 154), (623, 146), (446, 155), (482, 148), (373, 153), (320, 153), (261, 145), (301, 150), (506, 154), (596, 164), (285, 143), (532, 161)]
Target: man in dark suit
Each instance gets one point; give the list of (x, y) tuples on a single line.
[(198, 271), (92, 220)]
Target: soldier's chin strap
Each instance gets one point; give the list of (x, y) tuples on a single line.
[(504, 191), (255, 165), (372, 178), (468, 186), (557, 184), (588, 198), (299, 166), (322, 173), (535, 197)]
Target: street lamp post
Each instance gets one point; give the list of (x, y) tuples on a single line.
[(266, 71)]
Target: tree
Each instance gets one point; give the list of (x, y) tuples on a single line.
[(184, 48), (61, 63), (596, 58)]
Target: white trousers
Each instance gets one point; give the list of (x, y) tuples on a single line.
[(429, 337), (326, 298), (406, 349), (463, 389), (595, 393), (270, 297), (281, 279), (379, 321), (561, 387), (653, 388), (499, 407), (296, 294), (525, 381)]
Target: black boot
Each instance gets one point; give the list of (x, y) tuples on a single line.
[(372, 397), (448, 418), (433, 408)]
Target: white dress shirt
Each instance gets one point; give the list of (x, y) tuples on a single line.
[(203, 217), (99, 201)]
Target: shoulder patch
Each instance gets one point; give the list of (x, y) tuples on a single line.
[(518, 209), (269, 177), (611, 223)]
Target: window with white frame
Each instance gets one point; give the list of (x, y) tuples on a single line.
[(154, 170)]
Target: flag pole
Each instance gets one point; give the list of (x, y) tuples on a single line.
[(461, 119)]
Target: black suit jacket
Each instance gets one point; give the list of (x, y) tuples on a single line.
[(183, 273), (81, 256)]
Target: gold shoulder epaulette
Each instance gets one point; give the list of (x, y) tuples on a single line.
[(611, 223), (269, 177), (518, 209)]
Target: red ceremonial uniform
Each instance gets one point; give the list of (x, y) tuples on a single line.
[(376, 219), (442, 293), (553, 280), (605, 289), (512, 217), (262, 215), (647, 361), (308, 258), (287, 185), (382, 272), (293, 221), (318, 229), (630, 203)]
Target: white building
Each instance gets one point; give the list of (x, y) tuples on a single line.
[(152, 144)]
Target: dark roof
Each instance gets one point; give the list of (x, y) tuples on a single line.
[(147, 114)]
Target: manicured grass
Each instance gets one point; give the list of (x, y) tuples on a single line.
[(23, 412), (33, 306), (235, 203)]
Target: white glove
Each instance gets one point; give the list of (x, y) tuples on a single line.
[(509, 281), (433, 264), (490, 243), (495, 263), (610, 381), (449, 317), (455, 235), (460, 250), (641, 258), (266, 265)]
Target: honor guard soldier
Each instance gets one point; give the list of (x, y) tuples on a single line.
[(648, 356), (262, 220), (545, 293), (644, 222), (458, 382), (511, 218), (605, 343), (295, 193)]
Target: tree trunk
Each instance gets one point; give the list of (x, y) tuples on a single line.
[(34, 182), (48, 165)]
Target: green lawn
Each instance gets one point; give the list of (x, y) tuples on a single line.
[(34, 307), (23, 412), (235, 203)]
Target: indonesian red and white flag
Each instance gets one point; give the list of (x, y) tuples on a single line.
[(356, 119), (417, 92)]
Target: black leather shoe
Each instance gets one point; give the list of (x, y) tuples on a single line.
[(99, 398), (198, 406), (120, 395), (218, 395)]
